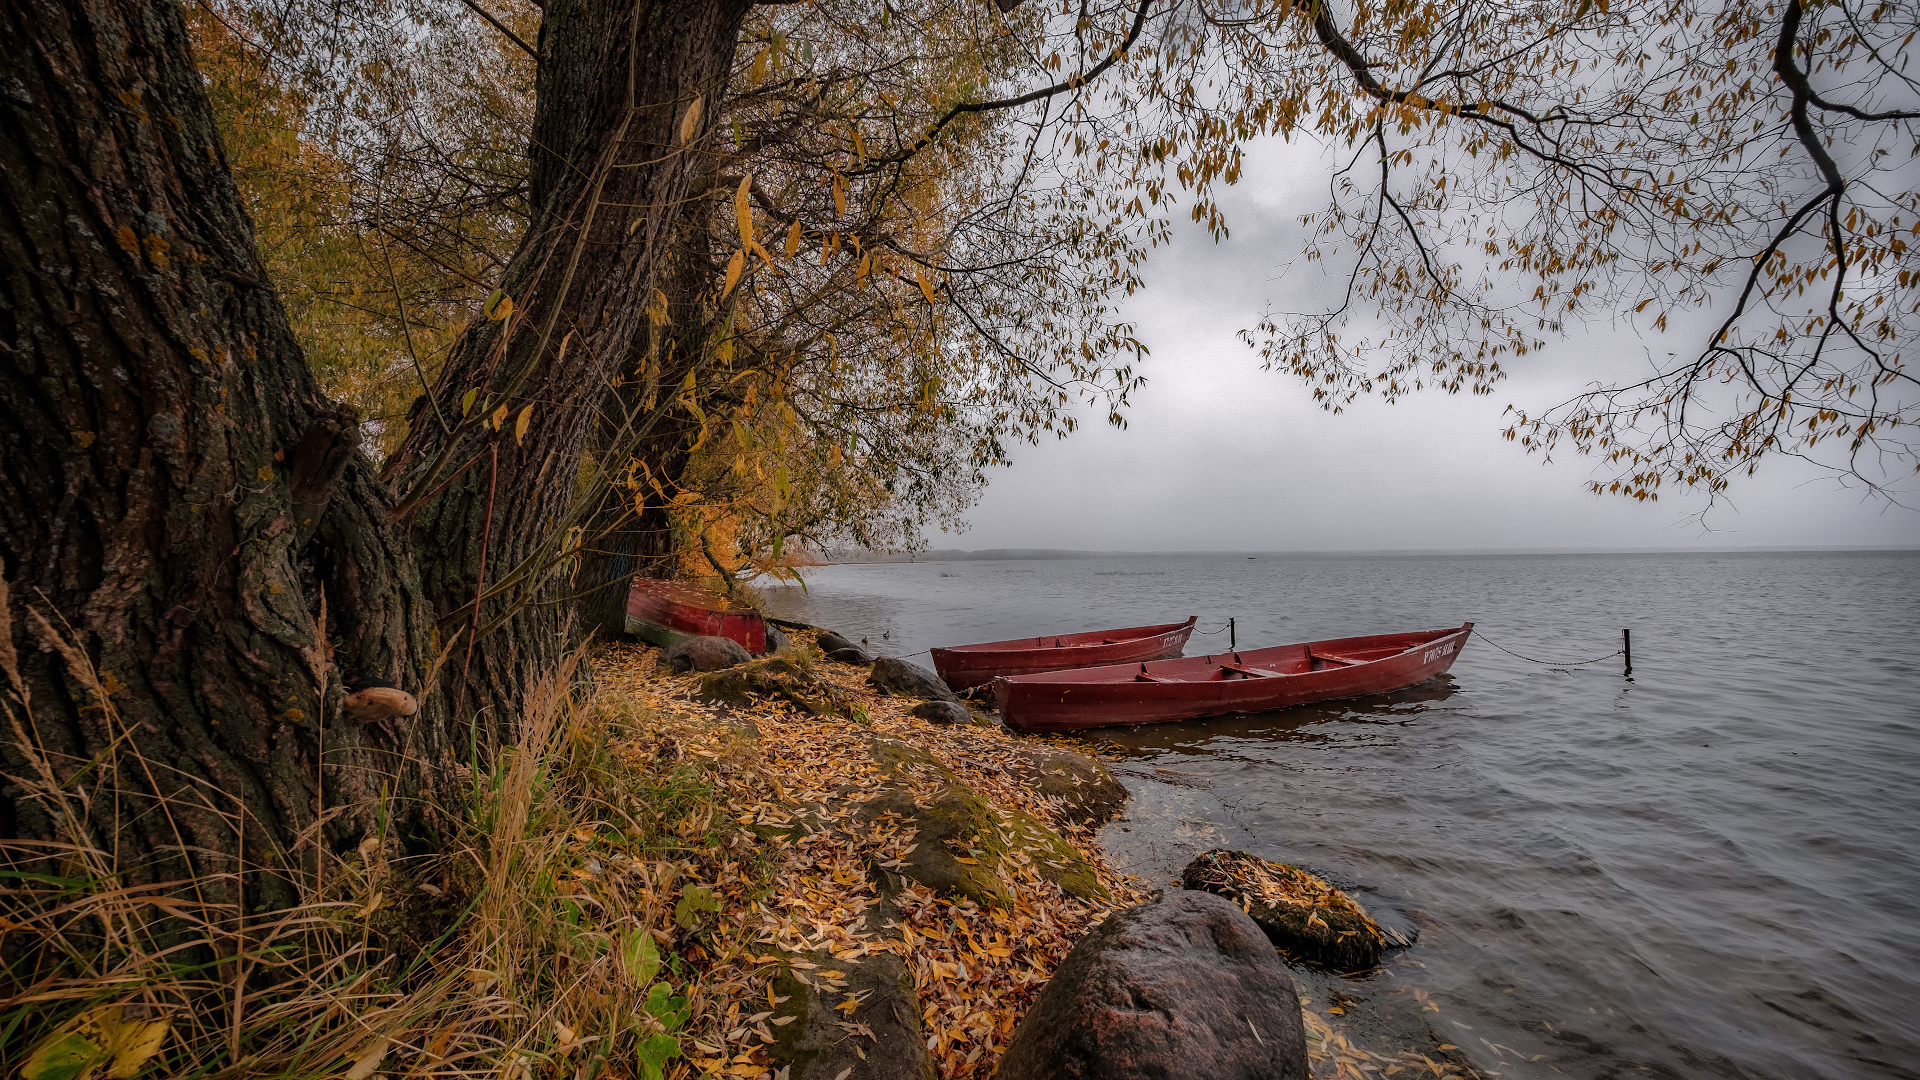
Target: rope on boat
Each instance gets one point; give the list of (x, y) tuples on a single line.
[(1548, 663), (1222, 630)]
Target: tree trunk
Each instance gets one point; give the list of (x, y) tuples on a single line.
[(610, 174), (175, 491), (180, 501), (631, 532)]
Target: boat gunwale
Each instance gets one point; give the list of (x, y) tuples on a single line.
[(1025, 645), (1124, 673)]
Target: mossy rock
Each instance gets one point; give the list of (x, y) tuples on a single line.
[(1303, 915), (1087, 790), (1056, 860), (809, 1040), (962, 844), (897, 758), (777, 678)]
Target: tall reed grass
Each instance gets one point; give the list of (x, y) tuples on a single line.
[(539, 942)]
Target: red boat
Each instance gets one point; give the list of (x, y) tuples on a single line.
[(970, 665), (1252, 680), (664, 611)]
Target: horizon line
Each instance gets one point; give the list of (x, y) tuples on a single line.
[(1013, 554)]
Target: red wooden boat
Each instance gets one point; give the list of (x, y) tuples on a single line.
[(970, 665), (663, 611), (1251, 680)]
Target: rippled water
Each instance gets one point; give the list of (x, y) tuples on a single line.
[(1710, 870)]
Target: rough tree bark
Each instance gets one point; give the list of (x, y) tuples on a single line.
[(175, 491), (610, 175), (622, 542), (178, 499)]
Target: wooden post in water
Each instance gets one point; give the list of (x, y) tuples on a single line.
[(1232, 635), (1626, 647)]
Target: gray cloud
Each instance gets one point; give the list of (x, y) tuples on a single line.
[(1221, 455)]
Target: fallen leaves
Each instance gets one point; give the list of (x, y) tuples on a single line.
[(799, 787)]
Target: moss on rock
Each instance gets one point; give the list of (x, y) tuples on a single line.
[(1303, 915), (964, 843), (1087, 790), (809, 1039), (778, 678)]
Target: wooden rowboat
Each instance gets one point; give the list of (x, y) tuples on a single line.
[(665, 611), (970, 665), (1251, 680)]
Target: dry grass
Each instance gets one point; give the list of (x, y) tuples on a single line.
[(556, 953)]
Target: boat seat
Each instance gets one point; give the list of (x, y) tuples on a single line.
[(1142, 676), (1254, 672), (1331, 659)]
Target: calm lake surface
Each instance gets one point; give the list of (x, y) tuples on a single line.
[(1710, 870)]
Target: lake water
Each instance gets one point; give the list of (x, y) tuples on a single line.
[(1711, 869)]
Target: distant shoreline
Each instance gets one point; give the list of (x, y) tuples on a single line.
[(845, 558)]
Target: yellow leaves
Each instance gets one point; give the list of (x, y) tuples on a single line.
[(735, 266), (758, 71), (793, 238), (690, 122), (466, 400), (743, 210), (839, 195), (109, 1037), (498, 306), (657, 308), (499, 417), (520, 425)]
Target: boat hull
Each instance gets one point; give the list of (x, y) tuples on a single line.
[(973, 665), (1252, 680), (663, 611)]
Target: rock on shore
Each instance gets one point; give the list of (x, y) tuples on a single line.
[(818, 997), (703, 654), (891, 675), (1303, 915), (1185, 987), (1087, 790), (776, 678)]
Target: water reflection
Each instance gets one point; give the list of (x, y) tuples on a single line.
[(1302, 722)]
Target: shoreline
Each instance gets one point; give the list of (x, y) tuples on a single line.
[(970, 958)]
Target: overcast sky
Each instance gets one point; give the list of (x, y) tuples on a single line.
[(1220, 455)]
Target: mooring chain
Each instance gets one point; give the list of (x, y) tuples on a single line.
[(1549, 663)]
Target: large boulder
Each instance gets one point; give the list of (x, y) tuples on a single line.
[(1087, 791), (942, 712), (1182, 987), (852, 1019), (703, 654), (777, 678), (831, 642), (892, 675), (852, 654), (1303, 915)]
